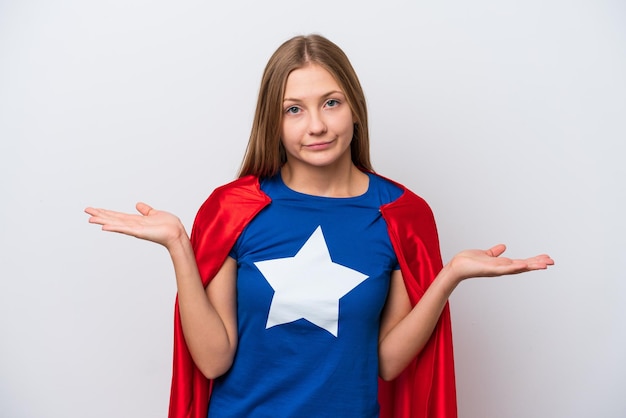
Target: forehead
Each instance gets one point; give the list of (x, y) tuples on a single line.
[(310, 81)]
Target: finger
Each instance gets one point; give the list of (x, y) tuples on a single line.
[(496, 250), (547, 259), (540, 264), (143, 208), (90, 211), (102, 217), (542, 260), (104, 213), (113, 219), (96, 215), (121, 229), (530, 264)]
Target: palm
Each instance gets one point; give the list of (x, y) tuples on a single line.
[(488, 263), (150, 224)]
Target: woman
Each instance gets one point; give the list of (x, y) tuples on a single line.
[(310, 276)]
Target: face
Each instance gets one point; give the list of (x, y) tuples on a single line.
[(317, 124)]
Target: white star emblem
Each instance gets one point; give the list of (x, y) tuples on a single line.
[(308, 285)]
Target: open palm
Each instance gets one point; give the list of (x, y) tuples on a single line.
[(150, 224), (488, 263)]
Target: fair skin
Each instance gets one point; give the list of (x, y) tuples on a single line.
[(316, 133)]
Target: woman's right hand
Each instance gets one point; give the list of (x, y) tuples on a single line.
[(150, 224)]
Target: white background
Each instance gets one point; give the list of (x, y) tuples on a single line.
[(509, 117)]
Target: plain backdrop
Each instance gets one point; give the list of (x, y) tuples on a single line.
[(508, 117)]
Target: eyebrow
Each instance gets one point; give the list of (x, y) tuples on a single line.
[(330, 93)]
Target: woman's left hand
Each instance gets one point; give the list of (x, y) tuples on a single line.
[(488, 263)]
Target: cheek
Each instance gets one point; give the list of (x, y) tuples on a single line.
[(284, 134), (291, 131), (347, 122), (349, 128), (284, 131)]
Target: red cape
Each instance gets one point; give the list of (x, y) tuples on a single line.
[(425, 389)]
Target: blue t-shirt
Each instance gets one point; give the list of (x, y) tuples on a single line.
[(312, 279)]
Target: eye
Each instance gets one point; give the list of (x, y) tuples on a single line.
[(332, 103), (292, 110)]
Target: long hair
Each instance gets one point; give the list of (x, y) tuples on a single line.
[(265, 153)]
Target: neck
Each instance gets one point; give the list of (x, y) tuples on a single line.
[(346, 181)]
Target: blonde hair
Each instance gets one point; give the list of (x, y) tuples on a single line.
[(265, 153)]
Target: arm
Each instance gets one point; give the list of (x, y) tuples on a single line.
[(208, 316), (405, 331)]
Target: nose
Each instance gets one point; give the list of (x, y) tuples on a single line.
[(317, 125)]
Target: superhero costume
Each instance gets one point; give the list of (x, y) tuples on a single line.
[(425, 389), (313, 274)]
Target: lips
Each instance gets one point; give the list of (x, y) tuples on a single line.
[(319, 145)]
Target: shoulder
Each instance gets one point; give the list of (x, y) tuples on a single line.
[(407, 203), (237, 191), (412, 227), (240, 193), (245, 185)]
